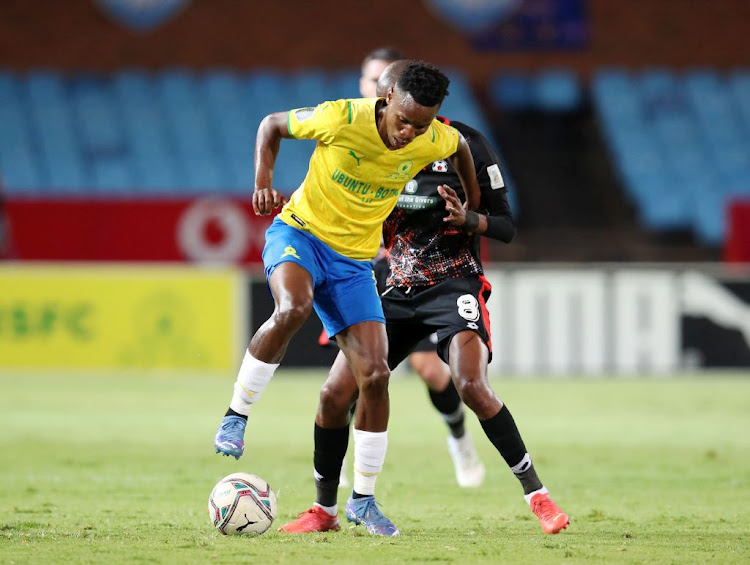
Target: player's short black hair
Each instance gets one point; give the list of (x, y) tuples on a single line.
[(426, 83), (389, 54)]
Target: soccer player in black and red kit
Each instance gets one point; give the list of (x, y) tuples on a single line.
[(435, 284), (424, 359)]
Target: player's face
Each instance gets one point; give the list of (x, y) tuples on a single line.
[(405, 120), (371, 72)]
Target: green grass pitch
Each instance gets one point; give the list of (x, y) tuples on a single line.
[(117, 468)]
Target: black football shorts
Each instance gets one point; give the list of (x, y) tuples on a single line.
[(380, 269), (447, 308)]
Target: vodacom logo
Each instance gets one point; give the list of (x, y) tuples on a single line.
[(213, 230)]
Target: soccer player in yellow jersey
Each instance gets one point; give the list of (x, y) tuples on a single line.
[(424, 358), (319, 250)]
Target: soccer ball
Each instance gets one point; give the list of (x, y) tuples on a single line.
[(242, 504)]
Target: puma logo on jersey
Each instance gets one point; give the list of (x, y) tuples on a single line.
[(353, 154)]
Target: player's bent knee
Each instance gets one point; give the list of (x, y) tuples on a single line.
[(292, 315), (335, 403), (476, 395), (375, 382)]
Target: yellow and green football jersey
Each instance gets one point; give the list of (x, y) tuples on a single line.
[(354, 180)]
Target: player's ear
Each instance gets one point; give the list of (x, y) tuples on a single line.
[(389, 96)]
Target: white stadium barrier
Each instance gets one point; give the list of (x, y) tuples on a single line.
[(604, 319)]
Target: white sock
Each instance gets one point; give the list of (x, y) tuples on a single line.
[(528, 497), (369, 455), (253, 377), (330, 510)]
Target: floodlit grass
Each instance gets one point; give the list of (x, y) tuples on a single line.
[(116, 468)]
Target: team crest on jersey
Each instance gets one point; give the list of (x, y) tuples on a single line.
[(440, 166), (411, 187), (290, 251), (403, 171)]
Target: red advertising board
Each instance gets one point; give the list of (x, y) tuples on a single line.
[(737, 245), (211, 229)]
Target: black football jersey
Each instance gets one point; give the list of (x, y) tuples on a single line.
[(423, 250)]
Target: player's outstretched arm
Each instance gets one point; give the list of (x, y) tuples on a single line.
[(463, 162), (270, 132)]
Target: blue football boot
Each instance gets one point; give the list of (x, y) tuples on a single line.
[(364, 511), (230, 437)]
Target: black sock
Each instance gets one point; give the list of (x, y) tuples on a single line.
[(448, 403), (501, 430), (356, 495), (330, 449), (231, 412)]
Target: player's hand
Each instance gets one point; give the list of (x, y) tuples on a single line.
[(265, 200), (456, 210)]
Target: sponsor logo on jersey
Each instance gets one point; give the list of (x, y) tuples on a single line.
[(440, 167), (415, 202), (298, 220), (496, 177), (411, 186)]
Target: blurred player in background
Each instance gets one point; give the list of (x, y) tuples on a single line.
[(424, 359), (318, 251), (435, 283)]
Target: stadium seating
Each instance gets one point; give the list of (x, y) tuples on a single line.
[(171, 132), (680, 141), (550, 90)]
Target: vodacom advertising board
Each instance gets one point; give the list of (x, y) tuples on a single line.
[(203, 230)]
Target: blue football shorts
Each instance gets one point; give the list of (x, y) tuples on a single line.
[(344, 291)]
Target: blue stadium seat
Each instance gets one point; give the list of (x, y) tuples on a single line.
[(111, 176), (739, 85), (346, 83), (663, 206), (310, 87), (96, 117), (55, 132), (681, 143), (291, 165), (659, 87), (192, 137), (267, 91), (20, 172), (557, 90), (616, 99), (709, 215), (511, 91)]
